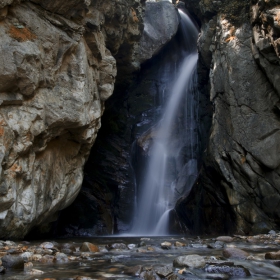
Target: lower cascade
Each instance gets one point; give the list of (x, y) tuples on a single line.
[(171, 168)]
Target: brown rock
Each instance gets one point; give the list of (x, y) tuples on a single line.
[(134, 270), (89, 247), (225, 238), (47, 259), (179, 244), (272, 256)]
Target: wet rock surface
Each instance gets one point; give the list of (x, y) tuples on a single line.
[(58, 66), (161, 22), (197, 261), (239, 182)]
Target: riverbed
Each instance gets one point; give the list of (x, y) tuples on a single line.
[(224, 257)]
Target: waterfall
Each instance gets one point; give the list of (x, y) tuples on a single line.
[(172, 166)]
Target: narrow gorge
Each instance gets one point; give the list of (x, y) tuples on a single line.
[(142, 137), (64, 65)]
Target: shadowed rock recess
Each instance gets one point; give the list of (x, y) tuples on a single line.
[(239, 186), (108, 191), (57, 68)]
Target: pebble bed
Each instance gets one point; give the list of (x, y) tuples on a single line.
[(149, 258)]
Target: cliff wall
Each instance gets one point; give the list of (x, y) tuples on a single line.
[(58, 66), (238, 190)]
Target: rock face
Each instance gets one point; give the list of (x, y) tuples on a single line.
[(160, 24), (239, 186), (56, 71), (108, 190)]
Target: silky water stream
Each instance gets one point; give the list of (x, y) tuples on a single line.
[(171, 168)]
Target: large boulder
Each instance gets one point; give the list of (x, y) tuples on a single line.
[(161, 23), (56, 72)]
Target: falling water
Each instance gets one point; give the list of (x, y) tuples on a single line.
[(160, 189)]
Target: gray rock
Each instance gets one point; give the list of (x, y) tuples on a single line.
[(27, 256), (227, 239), (160, 25), (243, 151), (47, 245), (272, 232), (13, 261), (235, 253), (120, 246), (234, 270), (164, 271), (142, 244), (166, 245), (216, 276), (131, 246), (192, 261), (60, 257), (56, 72)]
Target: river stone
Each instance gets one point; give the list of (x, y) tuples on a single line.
[(134, 270), (234, 270), (192, 261), (47, 245), (117, 246), (36, 257), (13, 261), (131, 246), (217, 244), (272, 232), (28, 267), (179, 244), (9, 243), (27, 256), (60, 257), (164, 271), (235, 253), (225, 239), (142, 244), (89, 247), (273, 255), (166, 245), (35, 272), (47, 259), (216, 276)]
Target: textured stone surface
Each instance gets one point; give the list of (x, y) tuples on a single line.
[(193, 261), (238, 190), (235, 253), (109, 186), (232, 270), (56, 71), (160, 25)]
